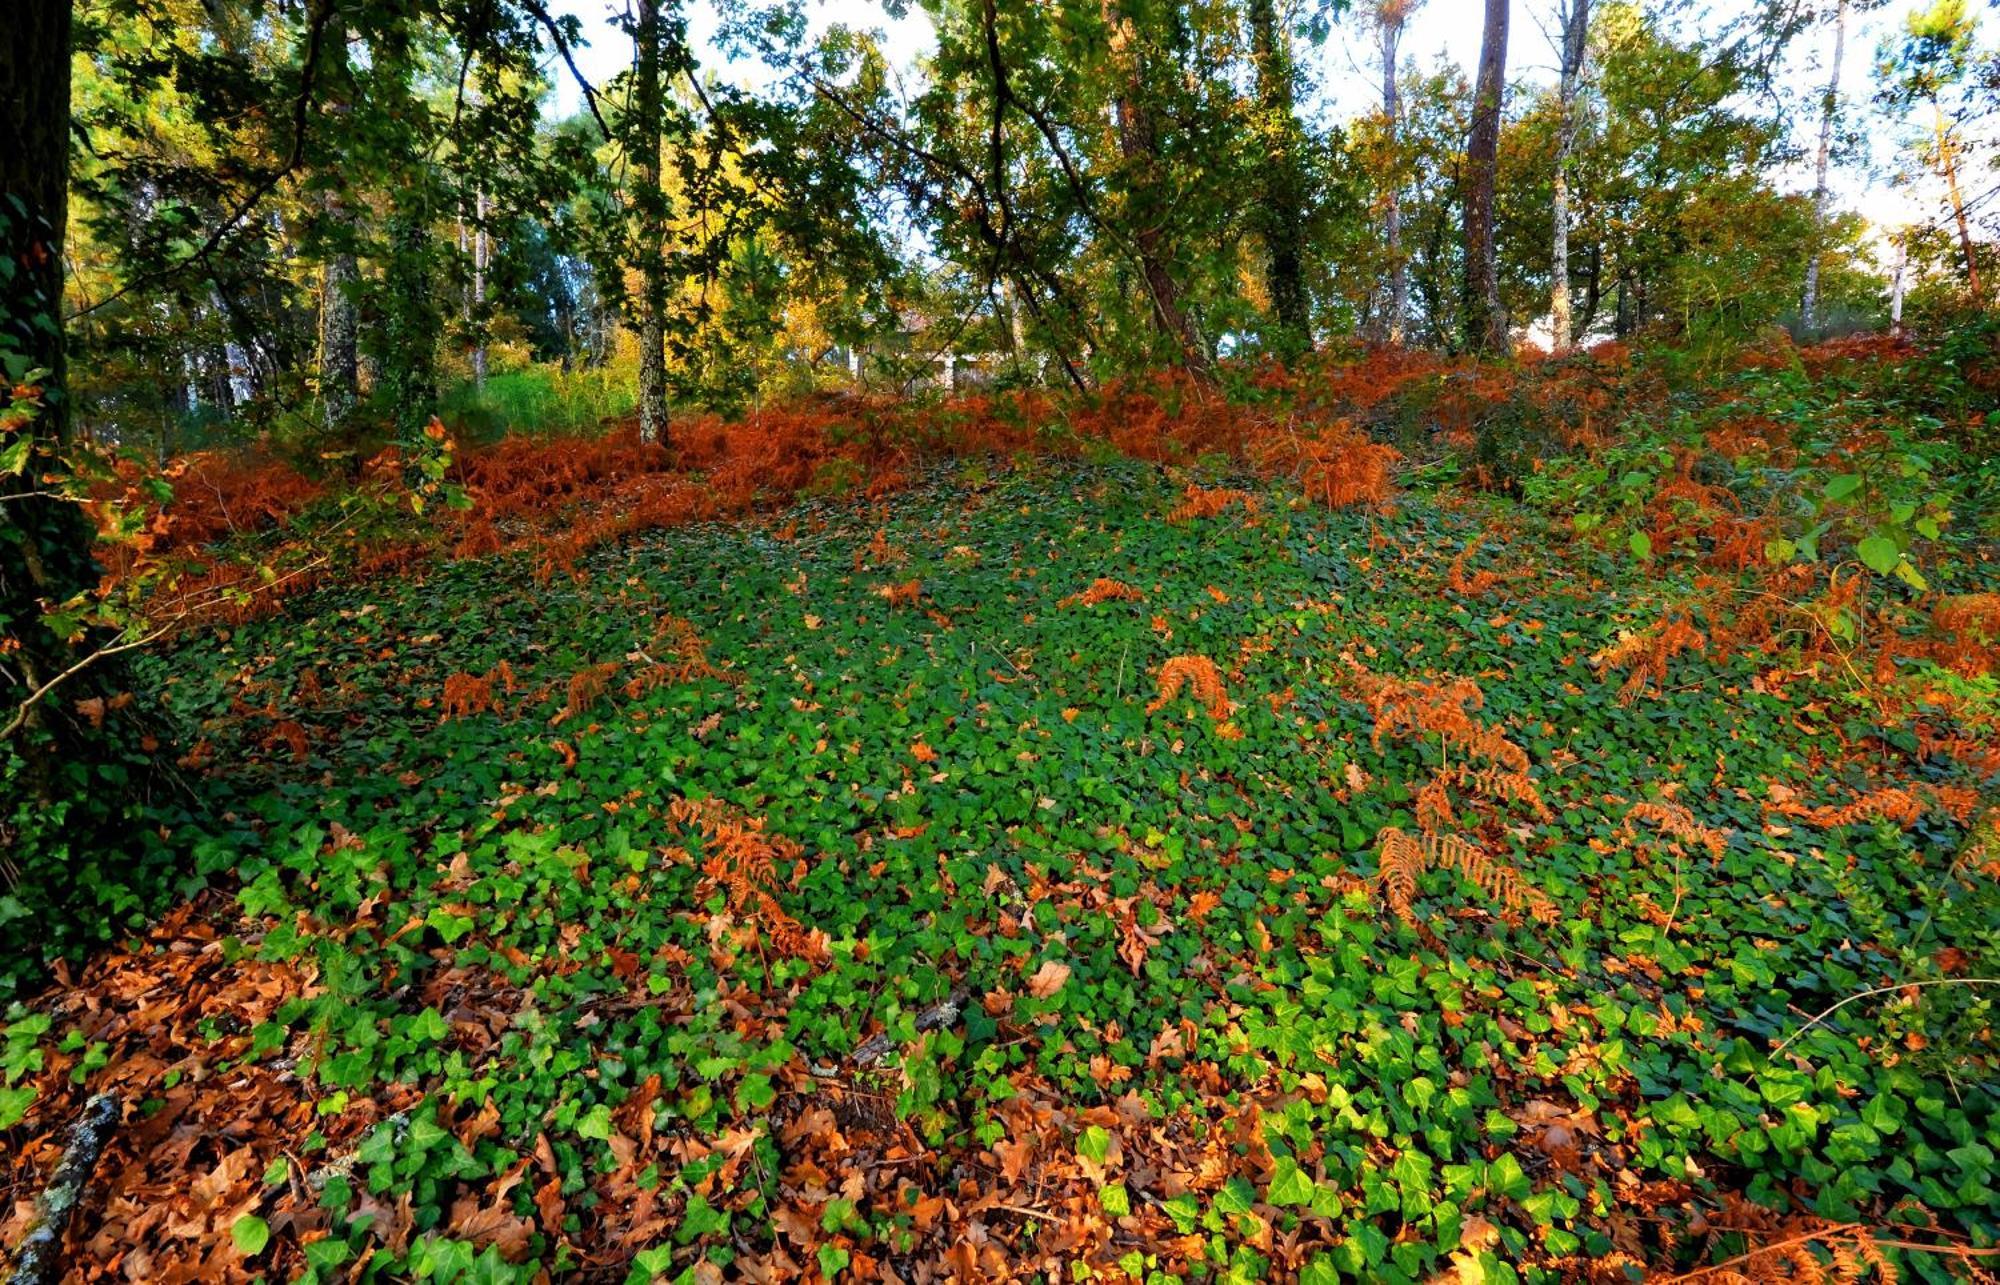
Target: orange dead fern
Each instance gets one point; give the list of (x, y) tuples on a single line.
[(1103, 589), (742, 861), (1476, 584), (1337, 465), (468, 694), (1199, 675), (1418, 707), (1433, 806), (1676, 822), (1208, 501), (1402, 857), (1647, 652), (586, 687), (1903, 805), (900, 595), (688, 652)]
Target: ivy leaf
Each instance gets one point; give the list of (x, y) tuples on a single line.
[(1641, 545), (1290, 1185), (596, 1123), (1843, 486), (14, 1104), (447, 925), (1505, 1177), (251, 1234)]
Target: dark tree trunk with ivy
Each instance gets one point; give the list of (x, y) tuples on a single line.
[(340, 278), (651, 200), (1484, 320), (45, 540), (1139, 148), (412, 321), (1282, 213)]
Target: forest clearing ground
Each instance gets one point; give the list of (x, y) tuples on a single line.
[(561, 906)]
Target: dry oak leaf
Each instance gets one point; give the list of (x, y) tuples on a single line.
[(1048, 979)]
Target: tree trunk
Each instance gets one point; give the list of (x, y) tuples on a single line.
[(1947, 150), (480, 249), (1281, 216), (651, 202), (412, 320), (1138, 146), (1485, 322), (340, 276), (1896, 283), (1828, 109), (1575, 30), (1391, 15), (47, 557)]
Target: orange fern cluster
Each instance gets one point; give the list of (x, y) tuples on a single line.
[(1509, 785), (1103, 589), (1402, 857), (689, 662), (468, 694), (742, 860), (586, 687), (1477, 583), (1199, 675), (1209, 501), (1339, 465), (1903, 805), (1417, 707), (1676, 822), (1647, 652), (1433, 806), (1970, 629)]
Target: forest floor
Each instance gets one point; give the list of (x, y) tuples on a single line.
[(853, 891)]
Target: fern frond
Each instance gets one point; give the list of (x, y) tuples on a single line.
[(742, 861), (1647, 653), (1103, 589), (1399, 860), (1207, 502), (1197, 674), (1401, 857), (1902, 805), (1476, 584), (1676, 822)]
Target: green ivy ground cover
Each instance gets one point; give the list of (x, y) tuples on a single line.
[(983, 801)]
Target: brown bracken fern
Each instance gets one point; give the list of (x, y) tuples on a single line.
[(1676, 822), (742, 861), (1197, 675), (1647, 652), (1103, 589), (1903, 805), (467, 694), (686, 662), (1402, 857), (1208, 501)]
